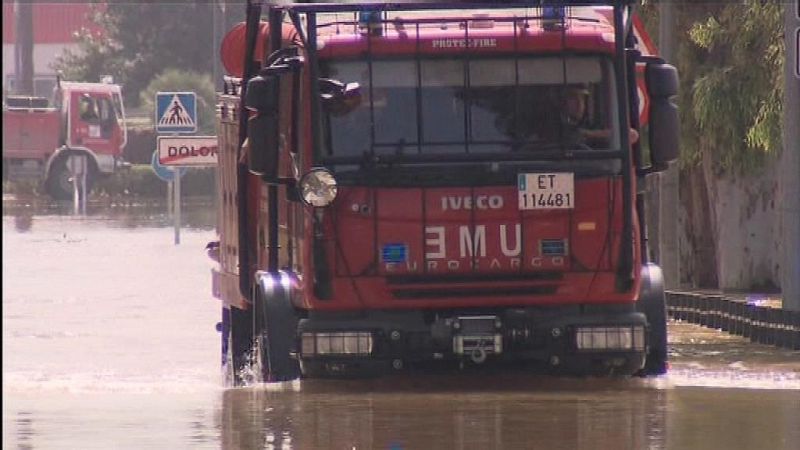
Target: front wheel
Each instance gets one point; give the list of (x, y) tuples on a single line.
[(59, 180), (652, 302), (275, 327)]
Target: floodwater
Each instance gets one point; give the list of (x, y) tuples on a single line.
[(109, 341)]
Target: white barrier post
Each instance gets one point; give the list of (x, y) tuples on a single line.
[(84, 171), (77, 169)]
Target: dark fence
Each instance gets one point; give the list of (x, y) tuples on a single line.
[(761, 324)]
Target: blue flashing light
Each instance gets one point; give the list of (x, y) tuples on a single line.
[(553, 13), (553, 17), (370, 21)]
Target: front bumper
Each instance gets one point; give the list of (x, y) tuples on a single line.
[(572, 340)]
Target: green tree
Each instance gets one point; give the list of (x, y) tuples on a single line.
[(730, 59), (736, 102), (730, 56), (142, 39)]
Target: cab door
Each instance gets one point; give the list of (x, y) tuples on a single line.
[(93, 123)]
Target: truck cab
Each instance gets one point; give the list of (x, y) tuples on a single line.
[(39, 134), (430, 185)]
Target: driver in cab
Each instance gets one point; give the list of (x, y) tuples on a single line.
[(575, 124)]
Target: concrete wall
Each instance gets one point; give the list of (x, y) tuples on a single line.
[(730, 231), (747, 214)]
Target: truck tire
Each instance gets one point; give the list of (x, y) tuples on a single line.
[(274, 327), (653, 304), (58, 184)]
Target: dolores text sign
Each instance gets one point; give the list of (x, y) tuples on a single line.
[(194, 151)]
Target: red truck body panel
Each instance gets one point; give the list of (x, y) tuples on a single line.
[(490, 253), (31, 134)]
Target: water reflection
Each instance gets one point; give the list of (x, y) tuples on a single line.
[(450, 412), (23, 222), (24, 430), (506, 412)]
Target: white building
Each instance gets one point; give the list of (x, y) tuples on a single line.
[(54, 28)]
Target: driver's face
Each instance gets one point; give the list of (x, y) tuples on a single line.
[(575, 105)]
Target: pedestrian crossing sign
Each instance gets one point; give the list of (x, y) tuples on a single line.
[(176, 112)]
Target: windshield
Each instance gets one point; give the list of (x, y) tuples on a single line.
[(457, 106)]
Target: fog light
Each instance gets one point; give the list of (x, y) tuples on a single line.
[(610, 338), (308, 342), (337, 343)]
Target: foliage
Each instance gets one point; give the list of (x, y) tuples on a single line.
[(730, 59), (141, 181), (736, 75), (177, 80), (140, 40)]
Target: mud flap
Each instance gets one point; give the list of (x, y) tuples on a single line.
[(653, 304), (237, 339), (275, 326)]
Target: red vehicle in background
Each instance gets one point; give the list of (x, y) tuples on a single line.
[(39, 134), (424, 185)]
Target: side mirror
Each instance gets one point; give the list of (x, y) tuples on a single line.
[(283, 61), (661, 79), (262, 98), (662, 84), (263, 147), (262, 128), (339, 98)]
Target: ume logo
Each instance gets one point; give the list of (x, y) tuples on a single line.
[(455, 203)]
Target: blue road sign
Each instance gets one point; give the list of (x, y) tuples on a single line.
[(166, 173), (176, 112)]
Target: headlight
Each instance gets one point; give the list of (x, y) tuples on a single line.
[(318, 188)]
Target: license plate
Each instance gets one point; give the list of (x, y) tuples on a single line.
[(546, 190)]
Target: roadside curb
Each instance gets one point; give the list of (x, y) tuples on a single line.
[(760, 323)]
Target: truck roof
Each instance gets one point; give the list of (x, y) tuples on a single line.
[(91, 87), (491, 30), (589, 29)]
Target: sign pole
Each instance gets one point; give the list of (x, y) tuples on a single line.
[(170, 190), (177, 203)]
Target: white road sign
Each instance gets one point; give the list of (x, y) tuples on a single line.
[(196, 151), (176, 112)]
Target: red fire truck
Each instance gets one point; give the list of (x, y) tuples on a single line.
[(39, 134), (412, 186)]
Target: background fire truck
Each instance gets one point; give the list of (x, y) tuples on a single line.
[(40, 134), (400, 187)]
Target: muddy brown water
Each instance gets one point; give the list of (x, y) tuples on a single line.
[(109, 342)]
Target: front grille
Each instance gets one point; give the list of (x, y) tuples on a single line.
[(477, 324)]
